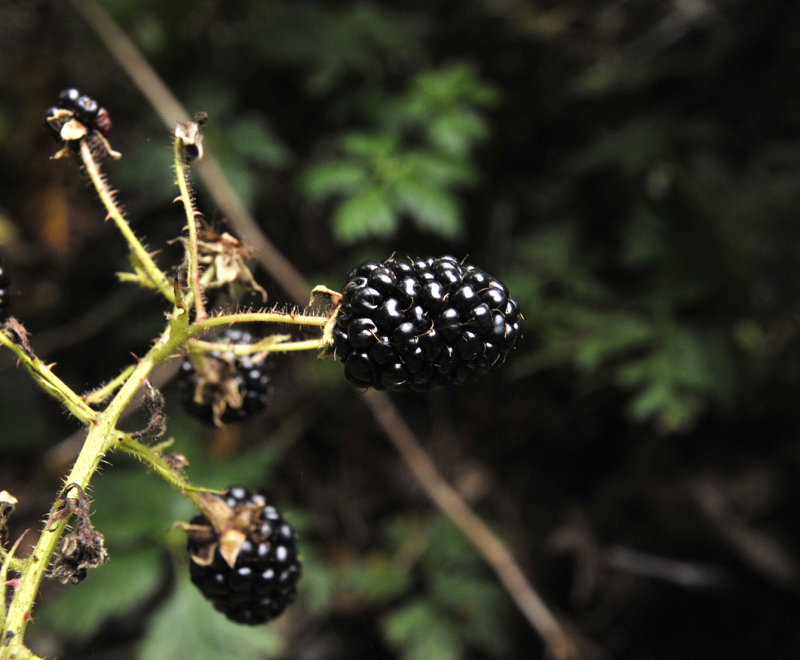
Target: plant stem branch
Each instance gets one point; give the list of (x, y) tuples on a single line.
[(140, 256), (258, 317), (192, 256), (101, 438), (156, 463), (51, 383), (105, 391)]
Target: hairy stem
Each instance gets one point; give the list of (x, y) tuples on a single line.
[(102, 437), (140, 256), (156, 463), (259, 317), (105, 391), (192, 257), (51, 383)]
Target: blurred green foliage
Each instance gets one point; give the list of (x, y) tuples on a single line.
[(413, 161), (630, 170)]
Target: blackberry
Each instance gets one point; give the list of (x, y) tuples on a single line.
[(414, 324), (83, 108), (86, 109), (220, 387), (245, 562), (5, 282)]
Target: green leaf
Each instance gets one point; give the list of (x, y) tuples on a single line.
[(420, 632), (187, 626), (439, 168), (250, 138), (367, 213), (456, 132), (111, 590), (430, 207), (370, 145), (339, 176)]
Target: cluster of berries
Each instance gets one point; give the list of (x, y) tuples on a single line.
[(246, 562), (400, 324)]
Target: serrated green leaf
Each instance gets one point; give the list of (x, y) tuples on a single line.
[(370, 145), (420, 633), (367, 213), (111, 590), (187, 626), (250, 138), (339, 176), (456, 132), (439, 168), (430, 207)]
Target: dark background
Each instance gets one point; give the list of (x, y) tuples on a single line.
[(629, 169)]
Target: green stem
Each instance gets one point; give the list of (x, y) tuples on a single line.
[(192, 257), (138, 252), (51, 383), (156, 463), (295, 346), (101, 438), (259, 317), (102, 393)]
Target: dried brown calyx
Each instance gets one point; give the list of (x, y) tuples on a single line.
[(224, 527), (82, 547)]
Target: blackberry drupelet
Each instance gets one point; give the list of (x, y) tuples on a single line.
[(5, 282), (220, 387), (413, 324), (245, 563)]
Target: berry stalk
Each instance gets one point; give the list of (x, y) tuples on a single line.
[(139, 256), (187, 199)]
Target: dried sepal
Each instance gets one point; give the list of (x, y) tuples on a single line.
[(190, 136), (224, 529), (7, 504), (225, 259), (81, 548)]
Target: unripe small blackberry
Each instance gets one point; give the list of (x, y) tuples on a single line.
[(245, 561), (86, 109), (220, 387), (414, 324)]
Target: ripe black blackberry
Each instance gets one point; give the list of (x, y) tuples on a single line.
[(413, 324), (220, 387), (5, 282), (245, 562)]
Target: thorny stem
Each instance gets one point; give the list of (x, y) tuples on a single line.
[(192, 256), (259, 317), (105, 391), (102, 437), (140, 256), (156, 462), (51, 383)]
